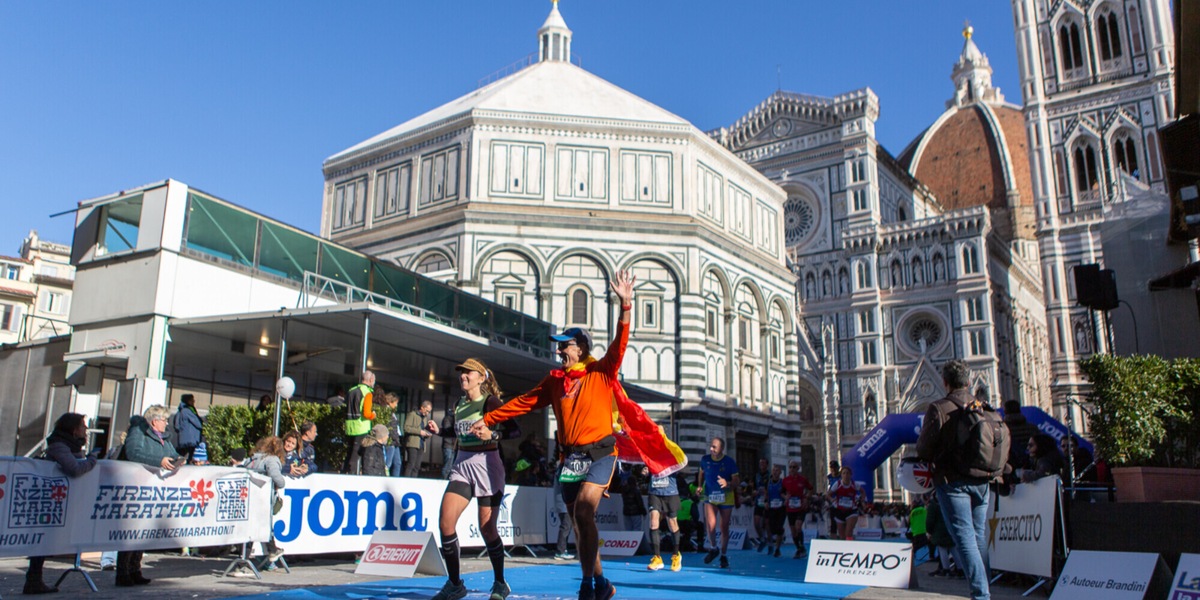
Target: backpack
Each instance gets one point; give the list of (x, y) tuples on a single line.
[(982, 441)]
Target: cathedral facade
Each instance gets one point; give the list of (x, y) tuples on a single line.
[(903, 264)]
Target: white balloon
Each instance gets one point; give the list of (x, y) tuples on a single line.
[(285, 387), (916, 477)]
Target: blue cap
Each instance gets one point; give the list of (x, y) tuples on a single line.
[(579, 334)]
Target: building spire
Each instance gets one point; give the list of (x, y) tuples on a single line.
[(972, 74), (554, 37)]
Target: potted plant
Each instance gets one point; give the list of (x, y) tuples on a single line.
[(1145, 424)]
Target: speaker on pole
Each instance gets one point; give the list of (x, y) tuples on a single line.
[(1095, 288)]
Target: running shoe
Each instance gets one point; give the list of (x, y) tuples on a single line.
[(762, 544), (676, 561), (656, 563), (777, 551), (500, 591), (451, 591), (724, 562), (800, 553), (605, 592), (585, 590), (564, 556), (711, 556)]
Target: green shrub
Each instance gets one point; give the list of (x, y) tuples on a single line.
[(230, 427), (1145, 409)]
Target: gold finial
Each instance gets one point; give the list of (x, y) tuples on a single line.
[(967, 29)]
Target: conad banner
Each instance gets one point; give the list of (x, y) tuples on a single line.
[(127, 506), (1021, 532), (339, 513)]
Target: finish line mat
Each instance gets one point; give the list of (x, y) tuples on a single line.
[(751, 576)]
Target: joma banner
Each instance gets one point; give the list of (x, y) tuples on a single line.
[(126, 506)]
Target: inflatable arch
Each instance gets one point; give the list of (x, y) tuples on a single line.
[(898, 429)]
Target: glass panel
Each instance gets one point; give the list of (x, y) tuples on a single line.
[(394, 283), (119, 225), (474, 312), (220, 230), (435, 297), (286, 253), (507, 322), (345, 266)]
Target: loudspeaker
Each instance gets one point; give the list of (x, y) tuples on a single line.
[(1095, 288)]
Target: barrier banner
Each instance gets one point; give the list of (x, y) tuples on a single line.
[(608, 515), (401, 554), (1091, 575), (737, 537), (1021, 531), (878, 564), (339, 513), (1187, 578), (121, 505), (619, 543)]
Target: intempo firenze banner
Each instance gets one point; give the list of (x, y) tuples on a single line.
[(1021, 532), (127, 506), (877, 564), (339, 513)]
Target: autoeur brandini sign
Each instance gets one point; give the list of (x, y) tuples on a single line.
[(880, 564)]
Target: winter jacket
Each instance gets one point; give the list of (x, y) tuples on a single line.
[(144, 445), (937, 444), (188, 426), (67, 451), (414, 423), (1020, 429), (269, 465), (372, 458)]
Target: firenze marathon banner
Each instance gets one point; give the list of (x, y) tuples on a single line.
[(339, 513), (127, 506)]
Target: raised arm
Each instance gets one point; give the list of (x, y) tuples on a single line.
[(622, 286)]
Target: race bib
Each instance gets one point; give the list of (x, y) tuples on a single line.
[(844, 502), (794, 502), (660, 483), (716, 497), (575, 468), (776, 503)]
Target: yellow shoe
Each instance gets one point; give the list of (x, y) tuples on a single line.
[(676, 561), (656, 563)]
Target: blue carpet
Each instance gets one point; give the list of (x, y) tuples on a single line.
[(752, 576)]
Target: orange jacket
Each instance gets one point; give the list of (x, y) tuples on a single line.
[(585, 418)]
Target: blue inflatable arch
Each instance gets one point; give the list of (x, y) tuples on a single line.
[(897, 430)]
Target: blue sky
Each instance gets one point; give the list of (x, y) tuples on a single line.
[(245, 99)]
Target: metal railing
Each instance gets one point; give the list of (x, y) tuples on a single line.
[(318, 286)]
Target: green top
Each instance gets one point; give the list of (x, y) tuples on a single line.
[(466, 413), (916, 521)]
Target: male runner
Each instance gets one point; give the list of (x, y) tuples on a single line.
[(797, 489), (582, 397), (720, 489), (664, 504)]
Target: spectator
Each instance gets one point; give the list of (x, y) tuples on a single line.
[(266, 403), (393, 451), (417, 427), (65, 447), (565, 522), (633, 506), (449, 443), (939, 538), (268, 460), (1044, 458), (373, 459), (187, 427), (1021, 430), (1081, 460), (293, 457), (146, 443), (308, 435), (359, 415), (689, 529), (961, 493), (200, 454)]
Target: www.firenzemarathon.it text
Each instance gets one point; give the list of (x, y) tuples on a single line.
[(170, 533)]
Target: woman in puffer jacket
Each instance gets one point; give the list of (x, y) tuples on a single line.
[(145, 443), (268, 459)]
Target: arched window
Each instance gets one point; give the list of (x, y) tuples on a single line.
[(901, 214), (863, 274), (970, 258), (1125, 154), (1071, 47), (579, 307), (1108, 34), (1086, 176), (1135, 34)]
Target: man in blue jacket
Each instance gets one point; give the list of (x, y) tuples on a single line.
[(188, 426)]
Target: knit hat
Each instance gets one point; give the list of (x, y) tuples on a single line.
[(200, 454), (379, 432)]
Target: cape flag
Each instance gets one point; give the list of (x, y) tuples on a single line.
[(641, 440)]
